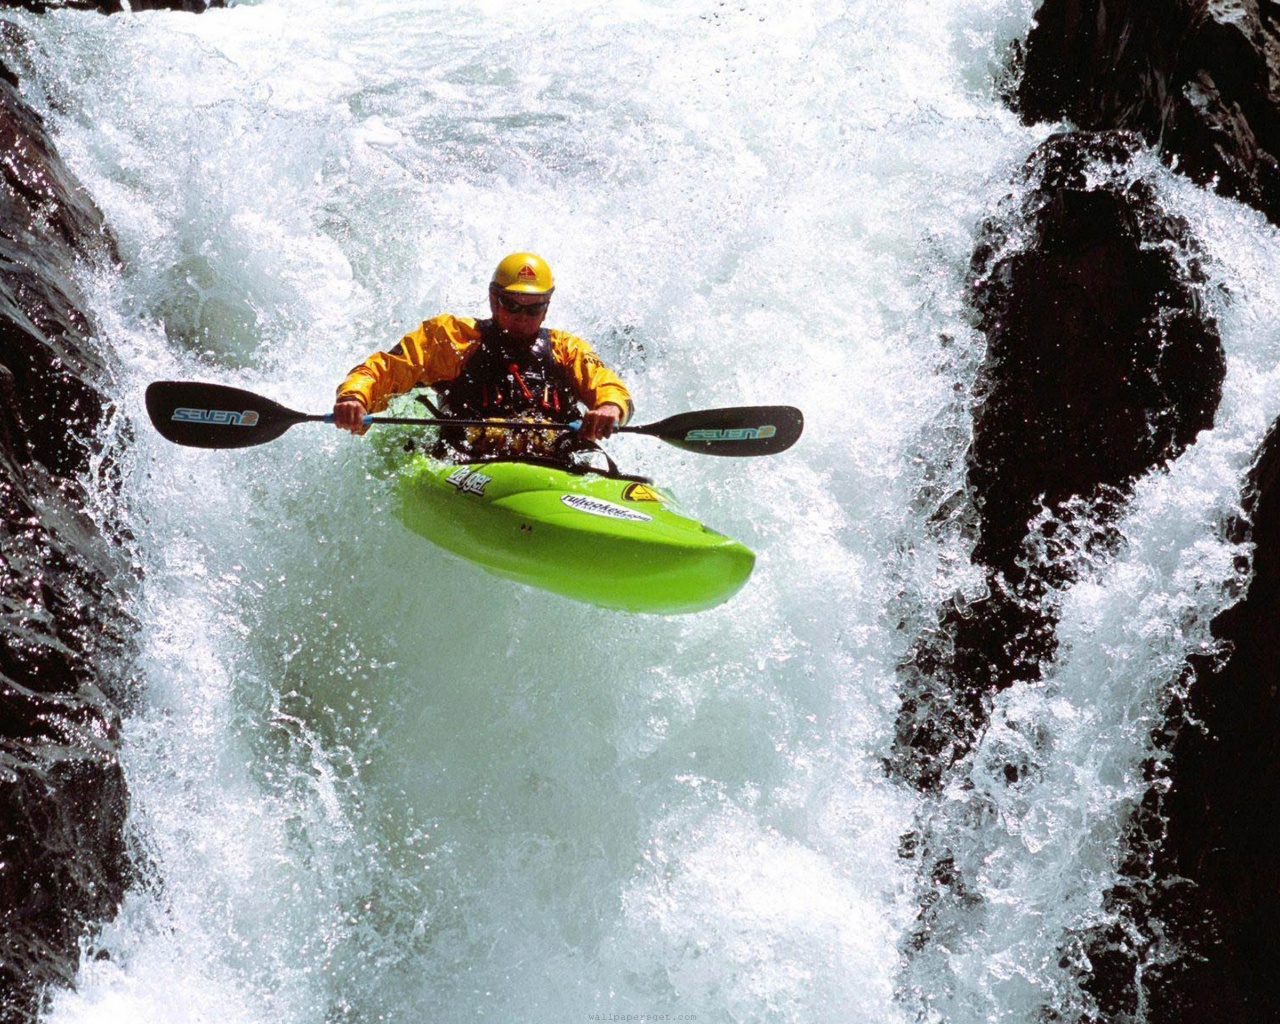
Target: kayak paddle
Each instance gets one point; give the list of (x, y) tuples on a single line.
[(216, 416)]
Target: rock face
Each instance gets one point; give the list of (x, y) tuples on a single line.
[(1222, 812), (63, 862), (1195, 935), (1101, 362), (1100, 366), (1197, 79)]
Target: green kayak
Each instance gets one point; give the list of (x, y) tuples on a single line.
[(611, 541)]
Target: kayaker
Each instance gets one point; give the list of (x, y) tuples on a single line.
[(506, 367)]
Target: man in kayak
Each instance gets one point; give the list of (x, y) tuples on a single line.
[(505, 367)]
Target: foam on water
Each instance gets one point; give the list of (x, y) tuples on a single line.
[(373, 783)]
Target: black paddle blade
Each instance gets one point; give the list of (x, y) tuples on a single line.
[(215, 416), (745, 430)]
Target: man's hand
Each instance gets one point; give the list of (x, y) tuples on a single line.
[(601, 421), (349, 414)]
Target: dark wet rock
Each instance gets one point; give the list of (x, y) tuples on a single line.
[(63, 628), (1101, 365), (1101, 362), (1194, 934), (1196, 78), (117, 6)]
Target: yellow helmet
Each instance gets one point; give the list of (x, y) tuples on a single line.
[(525, 273)]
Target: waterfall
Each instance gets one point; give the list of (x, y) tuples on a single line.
[(371, 783)]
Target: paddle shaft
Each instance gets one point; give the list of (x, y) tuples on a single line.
[(435, 421)]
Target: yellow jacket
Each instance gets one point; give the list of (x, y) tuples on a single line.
[(438, 349)]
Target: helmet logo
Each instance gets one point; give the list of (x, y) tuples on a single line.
[(527, 273)]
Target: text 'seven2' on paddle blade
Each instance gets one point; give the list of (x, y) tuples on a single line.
[(747, 430), (216, 416)]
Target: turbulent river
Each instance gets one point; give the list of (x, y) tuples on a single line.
[(371, 783)]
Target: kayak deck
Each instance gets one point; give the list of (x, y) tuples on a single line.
[(606, 540)]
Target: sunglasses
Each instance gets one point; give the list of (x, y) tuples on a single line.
[(522, 308)]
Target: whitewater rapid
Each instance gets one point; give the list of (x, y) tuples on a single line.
[(371, 783)]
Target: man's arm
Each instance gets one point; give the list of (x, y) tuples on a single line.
[(599, 388), (433, 352)]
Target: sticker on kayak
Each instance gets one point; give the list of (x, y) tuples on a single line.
[(732, 434), (596, 507), (468, 480), (640, 492), (223, 417)]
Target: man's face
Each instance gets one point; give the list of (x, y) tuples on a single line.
[(518, 316)]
